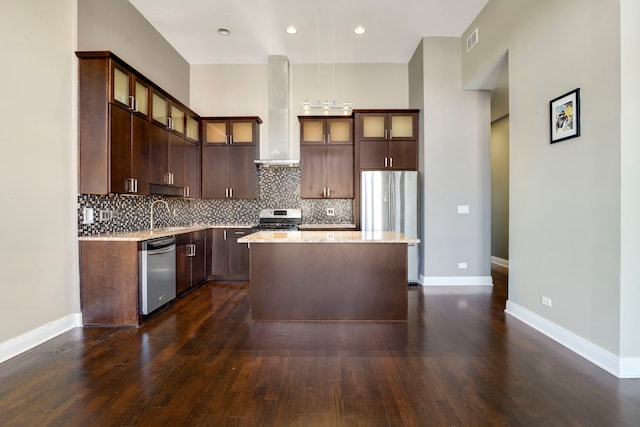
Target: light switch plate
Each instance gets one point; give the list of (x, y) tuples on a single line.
[(87, 216), (331, 212), (463, 209)]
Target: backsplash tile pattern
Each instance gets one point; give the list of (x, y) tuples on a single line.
[(278, 187)]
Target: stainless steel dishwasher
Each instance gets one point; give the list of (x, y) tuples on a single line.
[(157, 273)]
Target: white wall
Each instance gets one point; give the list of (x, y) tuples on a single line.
[(456, 169), (117, 26), (39, 255), (564, 197), (228, 90), (630, 181)]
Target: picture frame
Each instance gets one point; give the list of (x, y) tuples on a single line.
[(565, 116)]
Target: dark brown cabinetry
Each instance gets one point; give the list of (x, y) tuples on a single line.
[(387, 139), (229, 148), (228, 260), (326, 157), (113, 127), (109, 292), (190, 260), (133, 137)]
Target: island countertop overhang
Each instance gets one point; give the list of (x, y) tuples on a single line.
[(328, 237)]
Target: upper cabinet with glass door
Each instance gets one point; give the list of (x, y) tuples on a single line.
[(129, 90), (386, 139), (160, 109), (324, 130), (387, 125), (236, 130), (192, 128), (177, 116)]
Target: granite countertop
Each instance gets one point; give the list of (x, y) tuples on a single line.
[(328, 237), (140, 235), (320, 226)]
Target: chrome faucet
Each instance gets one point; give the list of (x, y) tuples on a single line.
[(152, 204)]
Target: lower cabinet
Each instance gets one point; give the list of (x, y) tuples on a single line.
[(190, 260), (228, 260), (109, 291)]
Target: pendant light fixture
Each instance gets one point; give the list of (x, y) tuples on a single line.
[(325, 107)]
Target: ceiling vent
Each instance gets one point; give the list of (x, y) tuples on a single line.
[(472, 40)]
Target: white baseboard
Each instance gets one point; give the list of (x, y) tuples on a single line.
[(629, 367), (457, 280), (37, 336), (500, 261), (619, 367)]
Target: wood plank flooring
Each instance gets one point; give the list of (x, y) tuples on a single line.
[(459, 361)]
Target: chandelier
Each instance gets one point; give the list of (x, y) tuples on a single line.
[(326, 107)]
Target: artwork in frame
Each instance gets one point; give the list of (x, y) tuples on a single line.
[(565, 116)]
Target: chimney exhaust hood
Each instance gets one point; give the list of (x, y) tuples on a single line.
[(278, 145)]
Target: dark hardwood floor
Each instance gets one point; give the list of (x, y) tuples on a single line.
[(457, 362)]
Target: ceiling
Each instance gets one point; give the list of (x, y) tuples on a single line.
[(325, 28)]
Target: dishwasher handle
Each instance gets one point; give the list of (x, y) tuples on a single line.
[(163, 250)]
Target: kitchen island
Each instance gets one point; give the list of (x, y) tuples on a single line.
[(335, 275)]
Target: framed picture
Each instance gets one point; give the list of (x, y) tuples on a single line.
[(565, 116)]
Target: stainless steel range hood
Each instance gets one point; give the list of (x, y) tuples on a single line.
[(278, 145)]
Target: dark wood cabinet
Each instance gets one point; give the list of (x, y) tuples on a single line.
[(129, 152), (172, 162), (229, 148), (387, 139), (133, 137), (228, 260), (384, 140), (190, 260), (109, 291), (326, 157), (192, 173), (113, 131)]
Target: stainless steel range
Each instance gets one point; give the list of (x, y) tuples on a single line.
[(279, 219)]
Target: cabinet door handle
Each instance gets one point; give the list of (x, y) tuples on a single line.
[(135, 185), (132, 103), (231, 193), (390, 162), (230, 139), (169, 123), (324, 192), (225, 234), (328, 191), (386, 159), (186, 191)]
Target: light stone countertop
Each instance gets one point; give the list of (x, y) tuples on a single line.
[(140, 235), (320, 226), (328, 237)]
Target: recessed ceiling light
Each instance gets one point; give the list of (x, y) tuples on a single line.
[(291, 29), (359, 30), (223, 31)]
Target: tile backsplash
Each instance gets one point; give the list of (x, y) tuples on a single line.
[(278, 187)]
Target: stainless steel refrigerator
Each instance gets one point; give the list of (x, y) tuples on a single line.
[(389, 202)]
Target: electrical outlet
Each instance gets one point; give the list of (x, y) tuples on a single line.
[(87, 216), (462, 265), (463, 209), (104, 215), (331, 212), (546, 301)]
